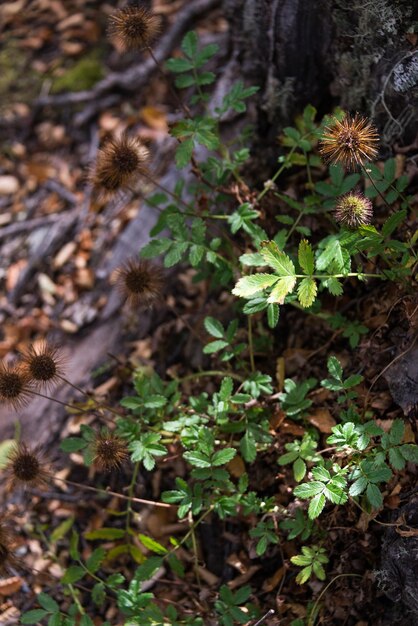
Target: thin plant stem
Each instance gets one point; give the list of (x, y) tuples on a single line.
[(175, 95), (208, 373), (366, 173), (115, 494), (263, 619), (130, 496), (250, 343), (311, 622)]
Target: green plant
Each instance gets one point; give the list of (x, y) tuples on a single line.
[(271, 260)]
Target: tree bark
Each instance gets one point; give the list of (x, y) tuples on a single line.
[(358, 55)]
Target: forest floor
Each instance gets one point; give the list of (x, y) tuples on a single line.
[(56, 272)]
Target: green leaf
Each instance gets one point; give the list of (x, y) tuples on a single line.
[(214, 327), (33, 617), (249, 285), (73, 444), (283, 286), (299, 469), (335, 368), (215, 346), (151, 544), (273, 314), (358, 486), (316, 506), (276, 259), (179, 65), (334, 286), (86, 620), (47, 603), (155, 401), (148, 568), (221, 457), (409, 452), (95, 559), (374, 495), (248, 447), (184, 153), (98, 594), (306, 257), (393, 222), (61, 530), (304, 575), (308, 490), (189, 44), (105, 533), (396, 459), (307, 291), (397, 432), (198, 459), (73, 574)]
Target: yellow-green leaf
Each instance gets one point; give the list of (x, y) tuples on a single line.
[(307, 291), (249, 285), (306, 257), (284, 286), (276, 259)]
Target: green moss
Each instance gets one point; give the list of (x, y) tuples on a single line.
[(15, 82), (84, 74)]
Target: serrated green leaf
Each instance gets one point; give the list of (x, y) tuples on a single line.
[(198, 459), (396, 459), (397, 432), (284, 286), (151, 544), (189, 44), (358, 486), (247, 286), (73, 444), (306, 257), (221, 457), (334, 286), (335, 368), (273, 314), (214, 327), (47, 602), (95, 559), (62, 529), (215, 346), (105, 533), (33, 617), (276, 259), (73, 574), (316, 506), (374, 495), (299, 469), (409, 452), (307, 291)]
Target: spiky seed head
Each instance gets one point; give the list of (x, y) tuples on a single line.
[(134, 27), (352, 142), (140, 282), (354, 210), (14, 386), (110, 451), (119, 161), (43, 364), (26, 467)]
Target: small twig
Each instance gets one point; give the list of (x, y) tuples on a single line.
[(263, 619)]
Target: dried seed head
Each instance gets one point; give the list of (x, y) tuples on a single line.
[(351, 142), (133, 28), (26, 467), (140, 282), (110, 451), (14, 387), (354, 210), (118, 163), (43, 364)]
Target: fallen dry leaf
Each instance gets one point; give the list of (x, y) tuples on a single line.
[(322, 420)]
